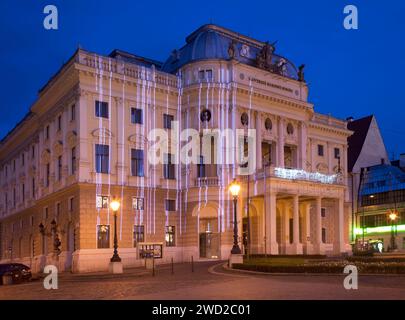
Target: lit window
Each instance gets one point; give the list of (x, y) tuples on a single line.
[(139, 234), (137, 203), (102, 202), (170, 236), (103, 236)]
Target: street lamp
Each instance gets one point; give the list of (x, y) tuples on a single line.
[(393, 215), (115, 205), (234, 189)]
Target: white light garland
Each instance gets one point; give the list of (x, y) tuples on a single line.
[(299, 174)]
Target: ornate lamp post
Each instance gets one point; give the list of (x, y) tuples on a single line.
[(393, 217), (115, 205), (234, 189)]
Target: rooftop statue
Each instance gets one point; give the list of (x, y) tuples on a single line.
[(301, 73), (232, 49), (265, 55)]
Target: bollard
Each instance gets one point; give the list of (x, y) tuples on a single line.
[(192, 264), (172, 266)]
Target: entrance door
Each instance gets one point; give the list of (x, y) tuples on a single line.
[(209, 245)]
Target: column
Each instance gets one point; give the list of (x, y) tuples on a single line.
[(329, 155), (306, 207), (296, 246), (120, 127), (338, 244), (302, 157), (280, 143), (271, 223), (285, 216), (318, 245), (259, 157), (84, 163), (313, 153)]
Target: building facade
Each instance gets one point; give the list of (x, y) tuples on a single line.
[(89, 138)]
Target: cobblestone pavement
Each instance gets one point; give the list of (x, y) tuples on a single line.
[(203, 283)]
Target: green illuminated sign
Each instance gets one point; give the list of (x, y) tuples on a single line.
[(385, 229)]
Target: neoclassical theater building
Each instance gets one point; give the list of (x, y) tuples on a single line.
[(86, 140)]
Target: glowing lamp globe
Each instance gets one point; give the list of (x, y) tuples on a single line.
[(234, 188), (115, 205), (393, 215)]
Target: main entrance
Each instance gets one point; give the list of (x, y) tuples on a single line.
[(209, 239)]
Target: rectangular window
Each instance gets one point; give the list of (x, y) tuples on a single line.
[(201, 74), (59, 123), (73, 161), (71, 203), (47, 174), (168, 167), (46, 213), (23, 192), (139, 234), (59, 168), (170, 236), (102, 158), (137, 203), (137, 162), (167, 121), (73, 112), (323, 235), (33, 188), (101, 109), (102, 202), (323, 212), (103, 236), (170, 205), (337, 153), (201, 168), (209, 74), (136, 115), (320, 150)]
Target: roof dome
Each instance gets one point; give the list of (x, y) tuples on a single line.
[(213, 42)]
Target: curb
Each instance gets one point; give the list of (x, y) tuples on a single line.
[(234, 272)]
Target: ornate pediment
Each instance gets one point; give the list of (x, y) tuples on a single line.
[(57, 148), (138, 140), (71, 138), (322, 168), (102, 133), (46, 156)]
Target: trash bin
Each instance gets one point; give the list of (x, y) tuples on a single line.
[(7, 279)]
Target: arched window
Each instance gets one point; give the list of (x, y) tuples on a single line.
[(268, 124), (290, 129)]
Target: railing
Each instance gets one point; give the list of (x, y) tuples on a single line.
[(131, 70), (206, 181), (328, 120)]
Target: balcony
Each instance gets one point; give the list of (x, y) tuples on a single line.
[(207, 182), (299, 175)]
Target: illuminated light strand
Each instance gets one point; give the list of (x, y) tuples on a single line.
[(299, 174)]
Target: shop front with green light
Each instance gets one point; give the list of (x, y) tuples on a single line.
[(379, 230)]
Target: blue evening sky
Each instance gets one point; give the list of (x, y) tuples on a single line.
[(350, 73)]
